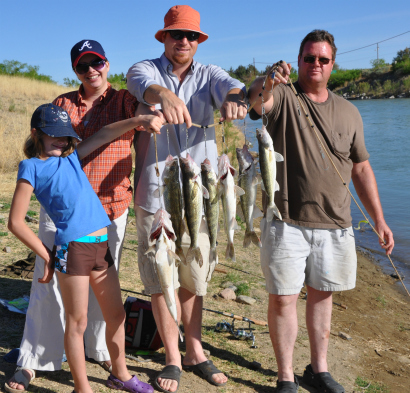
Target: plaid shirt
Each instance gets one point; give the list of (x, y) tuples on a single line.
[(108, 168)]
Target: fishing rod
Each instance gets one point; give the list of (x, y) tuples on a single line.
[(239, 270), (312, 126), (226, 314)]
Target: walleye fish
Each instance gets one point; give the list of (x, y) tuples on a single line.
[(267, 162), (173, 201), (248, 181), (163, 235), (211, 205), (194, 192), (228, 191)]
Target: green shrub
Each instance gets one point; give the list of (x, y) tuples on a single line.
[(342, 76), (14, 67)]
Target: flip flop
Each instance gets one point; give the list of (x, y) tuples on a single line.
[(20, 378), (168, 372), (205, 370), (105, 366), (134, 385)]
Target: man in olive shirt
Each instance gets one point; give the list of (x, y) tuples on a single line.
[(315, 241)]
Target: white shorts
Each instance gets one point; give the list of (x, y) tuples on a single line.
[(324, 258)]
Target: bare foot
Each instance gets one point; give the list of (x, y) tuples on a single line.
[(168, 384), (18, 386), (219, 378)]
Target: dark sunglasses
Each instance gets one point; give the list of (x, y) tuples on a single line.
[(311, 60), (82, 68), (179, 35)]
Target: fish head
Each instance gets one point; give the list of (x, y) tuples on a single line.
[(171, 167), (263, 137), (245, 158), (162, 221), (224, 166), (189, 166)]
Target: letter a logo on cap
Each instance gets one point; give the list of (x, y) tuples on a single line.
[(87, 44)]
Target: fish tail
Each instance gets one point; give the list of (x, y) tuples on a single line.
[(181, 255), (213, 256), (230, 252), (271, 211), (251, 236), (194, 254)]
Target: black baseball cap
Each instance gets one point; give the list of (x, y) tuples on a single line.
[(53, 121), (86, 46)]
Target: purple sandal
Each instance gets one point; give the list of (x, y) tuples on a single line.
[(134, 385)]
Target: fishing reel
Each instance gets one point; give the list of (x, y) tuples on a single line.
[(244, 334)]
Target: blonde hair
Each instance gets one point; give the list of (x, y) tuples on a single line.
[(34, 146)]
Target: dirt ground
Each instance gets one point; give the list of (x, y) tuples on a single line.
[(377, 319)]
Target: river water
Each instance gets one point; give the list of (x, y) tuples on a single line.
[(387, 136)]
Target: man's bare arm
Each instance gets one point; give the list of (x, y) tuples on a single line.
[(366, 187), (234, 106), (174, 109)]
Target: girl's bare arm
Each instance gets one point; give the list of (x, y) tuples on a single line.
[(17, 225)]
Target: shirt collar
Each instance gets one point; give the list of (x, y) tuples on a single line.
[(167, 65), (103, 97)]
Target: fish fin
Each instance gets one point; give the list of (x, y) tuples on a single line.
[(234, 225), (259, 177), (230, 252), (278, 157), (181, 255), (239, 191), (251, 236), (173, 255), (255, 181), (219, 228), (263, 186), (213, 256), (194, 254), (239, 211), (277, 188), (256, 212), (256, 160), (150, 249), (205, 193), (159, 191)]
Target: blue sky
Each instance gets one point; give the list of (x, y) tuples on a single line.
[(42, 32)]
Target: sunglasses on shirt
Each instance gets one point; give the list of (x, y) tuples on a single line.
[(311, 60), (97, 64), (179, 35)]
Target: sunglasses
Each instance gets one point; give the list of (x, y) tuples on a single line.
[(311, 60), (97, 64), (179, 35)]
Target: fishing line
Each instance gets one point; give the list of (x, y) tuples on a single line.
[(312, 126)]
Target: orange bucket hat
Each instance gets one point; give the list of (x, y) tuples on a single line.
[(182, 17)]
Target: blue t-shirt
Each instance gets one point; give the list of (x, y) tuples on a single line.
[(65, 193)]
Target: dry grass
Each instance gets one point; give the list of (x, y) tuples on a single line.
[(19, 98)]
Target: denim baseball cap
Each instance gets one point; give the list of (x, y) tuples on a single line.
[(53, 121), (86, 46)]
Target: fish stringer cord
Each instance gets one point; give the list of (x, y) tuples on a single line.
[(223, 140), (156, 166), (312, 126), (271, 74)]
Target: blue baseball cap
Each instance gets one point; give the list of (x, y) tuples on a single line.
[(53, 121), (86, 46)]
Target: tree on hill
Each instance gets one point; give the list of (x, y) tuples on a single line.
[(15, 68)]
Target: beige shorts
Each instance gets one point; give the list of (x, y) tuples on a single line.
[(191, 277), (324, 258)]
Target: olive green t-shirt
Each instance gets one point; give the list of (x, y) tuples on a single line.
[(311, 193)]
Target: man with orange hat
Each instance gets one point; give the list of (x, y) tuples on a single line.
[(187, 92)]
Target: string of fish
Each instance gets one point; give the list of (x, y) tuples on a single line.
[(312, 126)]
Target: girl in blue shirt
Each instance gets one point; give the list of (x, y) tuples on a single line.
[(81, 256)]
